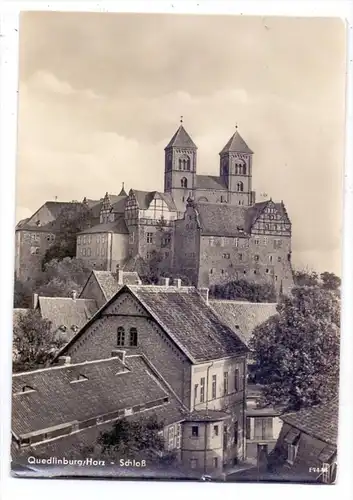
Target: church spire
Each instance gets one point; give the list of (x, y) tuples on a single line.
[(236, 144), (122, 192), (181, 139)]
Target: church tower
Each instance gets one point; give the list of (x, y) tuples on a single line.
[(236, 170), (180, 167)]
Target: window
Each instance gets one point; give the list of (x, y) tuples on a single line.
[(149, 237), (216, 430), (257, 241), (240, 256), (131, 238), (236, 242), (255, 272), (292, 453), (240, 186), (215, 462), (202, 390), (133, 337), (34, 250), (279, 259), (211, 270), (225, 383), (248, 428), (193, 463), (88, 252), (184, 182), (222, 271), (270, 258), (267, 271), (195, 392), (98, 238), (226, 256), (214, 386), (236, 432), (265, 241), (276, 278), (237, 380), (171, 438), (178, 436), (289, 257), (225, 437), (325, 473), (195, 431), (83, 251), (256, 257), (263, 428), (120, 336)]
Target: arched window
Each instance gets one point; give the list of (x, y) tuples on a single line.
[(244, 169), (184, 182), (133, 336), (180, 164), (188, 164), (120, 340), (240, 186)]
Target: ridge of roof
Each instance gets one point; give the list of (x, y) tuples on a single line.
[(181, 139), (236, 144)]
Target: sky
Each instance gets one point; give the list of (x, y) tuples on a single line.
[(100, 96)]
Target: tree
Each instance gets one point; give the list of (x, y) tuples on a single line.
[(330, 281), (244, 290), (305, 278), (131, 438), (71, 220), (34, 343), (296, 352), (61, 277), (22, 294)]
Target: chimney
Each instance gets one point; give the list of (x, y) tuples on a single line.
[(35, 300), (64, 360), (163, 281), (119, 275), (74, 295), (177, 282), (119, 354), (204, 294)]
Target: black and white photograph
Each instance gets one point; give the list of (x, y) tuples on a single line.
[(178, 247)]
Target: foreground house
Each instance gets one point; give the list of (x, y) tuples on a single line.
[(307, 445), (201, 359)]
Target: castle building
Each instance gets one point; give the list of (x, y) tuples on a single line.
[(205, 229)]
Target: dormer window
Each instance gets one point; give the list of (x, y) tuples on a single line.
[(74, 328), (62, 328), (25, 390)]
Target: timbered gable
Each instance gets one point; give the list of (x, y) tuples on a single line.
[(272, 220)]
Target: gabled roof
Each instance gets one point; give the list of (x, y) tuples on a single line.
[(319, 421), (58, 397), (210, 182), (137, 265), (117, 227), (181, 139), (243, 317), (186, 318), (108, 282), (144, 198), (68, 312), (236, 144)]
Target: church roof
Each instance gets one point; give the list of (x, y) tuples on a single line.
[(210, 182), (236, 144), (181, 139)]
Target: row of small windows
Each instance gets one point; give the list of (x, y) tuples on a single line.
[(199, 396), (126, 338), (240, 169), (99, 252), (256, 271), (184, 164), (87, 239)]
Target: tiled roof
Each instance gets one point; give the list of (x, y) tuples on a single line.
[(207, 416), (221, 219), (56, 399), (144, 198), (72, 445), (117, 227), (319, 421), (210, 182), (181, 139), (236, 144), (108, 282), (68, 312), (243, 316), (190, 322), (118, 206)]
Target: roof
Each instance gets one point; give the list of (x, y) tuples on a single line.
[(243, 316), (181, 139), (68, 312), (236, 144), (186, 318), (58, 398), (144, 198), (108, 282), (117, 227), (221, 219), (207, 416), (210, 182), (190, 322), (320, 421), (136, 264)]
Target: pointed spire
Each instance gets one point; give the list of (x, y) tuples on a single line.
[(181, 138), (106, 204), (236, 144), (122, 192), (84, 201)]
